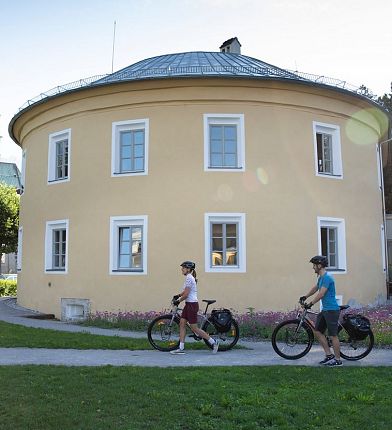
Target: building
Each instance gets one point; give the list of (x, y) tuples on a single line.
[(246, 168), (9, 175)]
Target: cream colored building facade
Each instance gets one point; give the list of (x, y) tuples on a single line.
[(124, 181)]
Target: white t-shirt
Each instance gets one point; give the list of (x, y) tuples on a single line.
[(191, 284)]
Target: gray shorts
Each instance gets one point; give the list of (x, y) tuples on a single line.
[(328, 319)]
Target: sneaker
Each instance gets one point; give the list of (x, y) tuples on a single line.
[(177, 351), (335, 363), (327, 359), (215, 346)]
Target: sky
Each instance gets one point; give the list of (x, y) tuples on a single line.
[(48, 43)]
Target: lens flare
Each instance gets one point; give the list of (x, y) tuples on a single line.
[(250, 181), (262, 175), (366, 125)]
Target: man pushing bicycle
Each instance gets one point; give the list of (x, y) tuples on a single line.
[(329, 316)]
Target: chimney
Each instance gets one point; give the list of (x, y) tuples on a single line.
[(231, 46)]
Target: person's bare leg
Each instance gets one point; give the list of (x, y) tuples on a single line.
[(182, 329), (323, 342), (336, 346), (199, 332)]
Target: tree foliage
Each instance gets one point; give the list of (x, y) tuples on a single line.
[(9, 219), (386, 101)]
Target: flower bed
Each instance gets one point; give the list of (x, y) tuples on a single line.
[(253, 325), (7, 288)]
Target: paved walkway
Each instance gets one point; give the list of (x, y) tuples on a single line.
[(259, 354)]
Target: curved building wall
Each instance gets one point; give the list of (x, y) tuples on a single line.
[(280, 197)]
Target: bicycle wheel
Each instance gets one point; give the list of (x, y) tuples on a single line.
[(226, 340), (164, 333), (351, 349), (291, 340)]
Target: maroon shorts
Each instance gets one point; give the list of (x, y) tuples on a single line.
[(190, 312)]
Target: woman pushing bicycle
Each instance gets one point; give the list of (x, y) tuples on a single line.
[(189, 313), (329, 316)]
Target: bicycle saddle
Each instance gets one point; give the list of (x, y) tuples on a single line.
[(343, 307), (210, 302)]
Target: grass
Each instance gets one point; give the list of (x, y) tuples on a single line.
[(246, 398), (13, 335)]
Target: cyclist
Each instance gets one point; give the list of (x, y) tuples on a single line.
[(189, 313), (329, 316)]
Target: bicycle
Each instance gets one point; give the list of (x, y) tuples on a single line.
[(164, 331), (293, 339)]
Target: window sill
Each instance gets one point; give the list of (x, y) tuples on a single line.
[(127, 272), (328, 175), (54, 271), (136, 173), (57, 181), (225, 169)]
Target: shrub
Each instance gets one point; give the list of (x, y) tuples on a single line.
[(7, 288)]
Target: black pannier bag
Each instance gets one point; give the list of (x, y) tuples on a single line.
[(356, 325), (221, 318)]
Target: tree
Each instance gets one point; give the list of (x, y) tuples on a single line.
[(9, 219), (386, 101)]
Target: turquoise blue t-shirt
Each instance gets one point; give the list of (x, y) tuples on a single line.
[(329, 300)]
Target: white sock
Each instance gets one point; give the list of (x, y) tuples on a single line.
[(211, 341), (182, 345)]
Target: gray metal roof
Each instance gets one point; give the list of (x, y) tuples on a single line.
[(195, 64), (10, 175)]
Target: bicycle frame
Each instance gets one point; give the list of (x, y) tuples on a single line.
[(176, 314)]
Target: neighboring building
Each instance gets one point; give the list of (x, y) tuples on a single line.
[(246, 168), (9, 175)]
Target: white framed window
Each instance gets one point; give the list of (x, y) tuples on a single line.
[(225, 242), (327, 150), (224, 142), (19, 252), (332, 242), (128, 245), (59, 156), (56, 246), (130, 140)]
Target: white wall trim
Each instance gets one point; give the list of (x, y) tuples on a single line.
[(383, 253), (131, 124), (50, 226), (224, 218), (125, 221), (334, 130), (340, 224), (53, 138), (225, 119)]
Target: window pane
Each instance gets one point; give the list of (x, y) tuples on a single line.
[(63, 248), (216, 146), (324, 240), (139, 137), (56, 261), (124, 248), (231, 258), (231, 244), (125, 138), (125, 151), (332, 260), (216, 132), (124, 233), (136, 233), (139, 151), (216, 160), (230, 146), (126, 165), (137, 261), (231, 132), (217, 258), (230, 160), (124, 261), (231, 230), (217, 244), (139, 163), (217, 230)]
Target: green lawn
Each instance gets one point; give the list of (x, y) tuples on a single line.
[(14, 335), (48, 397)]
